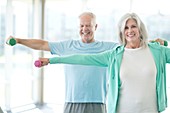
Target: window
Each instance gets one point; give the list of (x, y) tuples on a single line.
[(16, 78)]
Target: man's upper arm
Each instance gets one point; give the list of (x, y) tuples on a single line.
[(46, 46)]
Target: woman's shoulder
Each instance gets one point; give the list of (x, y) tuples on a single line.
[(118, 49)]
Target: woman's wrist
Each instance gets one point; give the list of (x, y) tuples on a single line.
[(52, 60)]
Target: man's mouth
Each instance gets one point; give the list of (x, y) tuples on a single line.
[(86, 33)]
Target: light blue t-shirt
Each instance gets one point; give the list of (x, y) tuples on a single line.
[(83, 84)]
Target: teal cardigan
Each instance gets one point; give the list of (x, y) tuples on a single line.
[(112, 59)]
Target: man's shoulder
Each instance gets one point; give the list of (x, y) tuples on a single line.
[(63, 41), (108, 43)]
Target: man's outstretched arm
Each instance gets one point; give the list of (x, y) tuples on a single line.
[(36, 44)]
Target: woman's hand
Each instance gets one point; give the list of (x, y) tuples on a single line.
[(41, 62)]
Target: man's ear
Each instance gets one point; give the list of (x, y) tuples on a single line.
[(96, 26)]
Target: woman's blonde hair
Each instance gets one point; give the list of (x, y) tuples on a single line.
[(140, 25)]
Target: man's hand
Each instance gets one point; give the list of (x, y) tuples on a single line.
[(11, 41)]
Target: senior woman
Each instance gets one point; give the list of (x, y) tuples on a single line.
[(137, 69)]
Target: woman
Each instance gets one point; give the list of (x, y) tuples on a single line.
[(137, 69)]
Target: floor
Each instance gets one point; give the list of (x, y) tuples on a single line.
[(48, 108), (57, 109)]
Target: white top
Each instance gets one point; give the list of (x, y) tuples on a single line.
[(138, 82)]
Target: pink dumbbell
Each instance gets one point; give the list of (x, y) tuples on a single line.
[(37, 63)]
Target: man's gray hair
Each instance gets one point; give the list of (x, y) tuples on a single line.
[(92, 15)]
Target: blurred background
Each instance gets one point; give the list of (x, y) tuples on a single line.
[(27, 89)]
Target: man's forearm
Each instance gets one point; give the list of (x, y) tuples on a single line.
[(36, 44)]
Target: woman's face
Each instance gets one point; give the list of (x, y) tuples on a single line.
[(131, 32)]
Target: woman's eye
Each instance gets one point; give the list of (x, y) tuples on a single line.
[(134, 26)]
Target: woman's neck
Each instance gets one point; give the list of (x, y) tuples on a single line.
[(133, 45)]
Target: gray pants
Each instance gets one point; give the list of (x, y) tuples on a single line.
[(1, 110), (84, 108)]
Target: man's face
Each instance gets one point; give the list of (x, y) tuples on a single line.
[(87, 29)]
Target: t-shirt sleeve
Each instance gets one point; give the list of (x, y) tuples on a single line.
[(59, 48)]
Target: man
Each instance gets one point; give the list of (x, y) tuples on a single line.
[(86, 86)]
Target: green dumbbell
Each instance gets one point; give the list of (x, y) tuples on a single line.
[(12, 42), (165, 43)]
